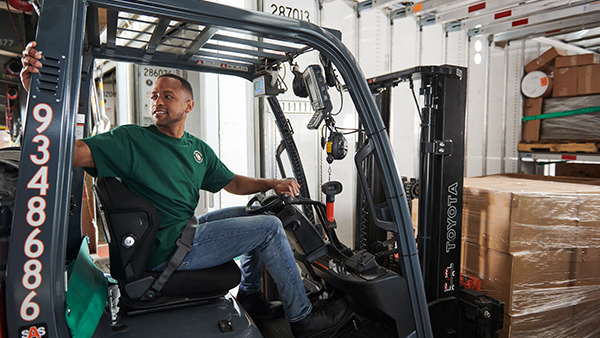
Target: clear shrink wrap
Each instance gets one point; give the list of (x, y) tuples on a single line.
[(574, 127), (535, 245)]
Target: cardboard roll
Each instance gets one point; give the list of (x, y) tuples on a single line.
[(536, 84)]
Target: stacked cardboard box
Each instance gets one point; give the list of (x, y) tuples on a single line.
[(545, 62), (572, 76), (576, 75), (536, 246)]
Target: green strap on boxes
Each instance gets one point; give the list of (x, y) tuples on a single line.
[(562, 113)]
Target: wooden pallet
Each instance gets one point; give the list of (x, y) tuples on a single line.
[(561, 147)]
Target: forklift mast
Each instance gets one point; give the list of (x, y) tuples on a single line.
[(441, 167), (45, 231), (440, 197)]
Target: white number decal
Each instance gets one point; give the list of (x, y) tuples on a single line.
[(33, 242), (44, 120), (29, 305), (36, 213), (42, 148), (32, 269), (36, 206), (39, 180)]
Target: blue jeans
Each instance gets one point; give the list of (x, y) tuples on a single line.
[(227, 233)]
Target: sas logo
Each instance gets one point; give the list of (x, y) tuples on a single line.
[(33, 331), (198, 156)]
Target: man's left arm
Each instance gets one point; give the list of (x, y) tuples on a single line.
[(243, 185)]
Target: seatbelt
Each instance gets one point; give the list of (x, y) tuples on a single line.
[(184, 245)]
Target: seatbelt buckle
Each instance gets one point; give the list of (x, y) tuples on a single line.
[(183, 246)]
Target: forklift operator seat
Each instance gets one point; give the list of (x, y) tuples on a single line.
[(130, 225)]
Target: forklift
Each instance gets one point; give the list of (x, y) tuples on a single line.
[(395, 289)]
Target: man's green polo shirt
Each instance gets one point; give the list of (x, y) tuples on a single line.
[(167, 171)]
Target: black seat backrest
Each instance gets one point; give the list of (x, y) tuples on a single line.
[(130, 243), (130, 224)]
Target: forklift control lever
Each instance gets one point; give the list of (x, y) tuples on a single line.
[(361, 262), (330, 189)]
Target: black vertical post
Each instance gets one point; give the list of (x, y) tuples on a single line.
[(290, 145), (427, 182), (440, 186), (35, 283), (83, 116), (440, 198), (366, 233)]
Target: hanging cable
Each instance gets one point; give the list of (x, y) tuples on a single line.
[(13, 23), (338, 87), (412, 88), (284, 71), (349, 130)]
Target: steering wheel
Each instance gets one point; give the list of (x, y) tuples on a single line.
[(266, 203)]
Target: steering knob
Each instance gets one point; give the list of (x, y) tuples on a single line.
[(330, 189)]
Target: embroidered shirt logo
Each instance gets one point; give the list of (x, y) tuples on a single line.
[(198, 156)]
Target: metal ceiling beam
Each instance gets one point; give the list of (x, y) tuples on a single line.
[(584, 38), (255, 43), (532, 20), (230, 57), (378, 4), (429, 6), (562, 45), (244, 51), (364, 5), (475, 10), (92, 26), (550, 29), (200, 40), (163, 59), (517, 10), (593, 46), (112, 19), (157, 35)]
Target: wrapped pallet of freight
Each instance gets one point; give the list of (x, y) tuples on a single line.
[(566, 119), (562, 100), (535, 245)]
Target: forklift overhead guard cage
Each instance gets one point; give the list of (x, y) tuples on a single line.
[(184, 34)]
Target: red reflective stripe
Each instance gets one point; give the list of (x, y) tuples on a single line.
[(569, 157), (502, 14), (321, 265), (554, 31), (520, 22), (477, 7)]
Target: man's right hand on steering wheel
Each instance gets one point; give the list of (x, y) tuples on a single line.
[(287, 186)]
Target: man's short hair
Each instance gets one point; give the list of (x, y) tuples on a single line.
[(184, 83)]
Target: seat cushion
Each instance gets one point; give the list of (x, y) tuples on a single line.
[(206, 283)]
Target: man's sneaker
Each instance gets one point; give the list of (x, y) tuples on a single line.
[(323, 320), (258, 307)]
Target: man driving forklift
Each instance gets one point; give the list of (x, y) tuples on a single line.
[(168, 166)]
